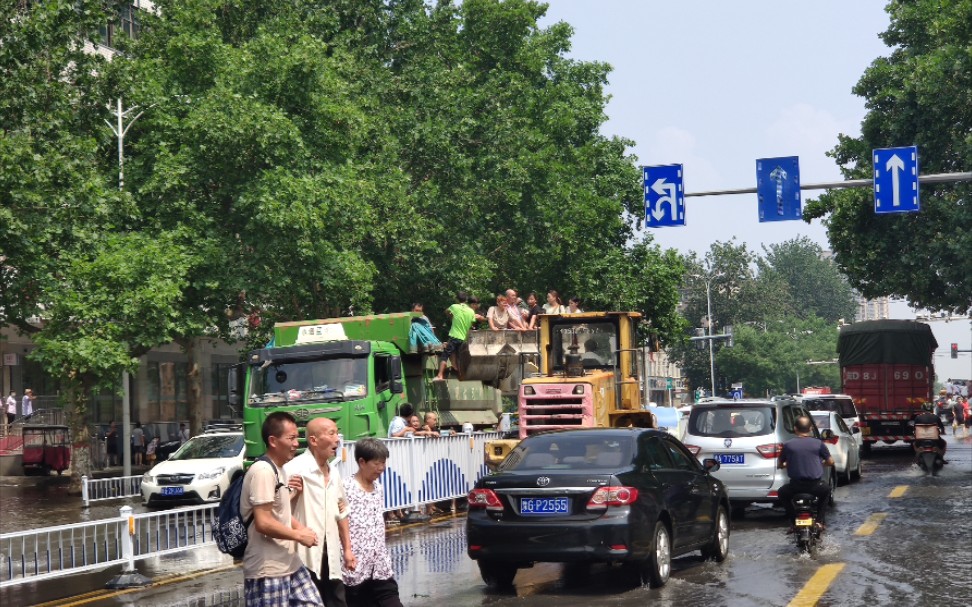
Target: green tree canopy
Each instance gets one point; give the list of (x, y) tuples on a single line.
[(921, 94)]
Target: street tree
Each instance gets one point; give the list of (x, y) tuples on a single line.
[(920, 94), (816, 286)]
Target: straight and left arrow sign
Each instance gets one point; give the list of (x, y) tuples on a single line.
[(664, 196)]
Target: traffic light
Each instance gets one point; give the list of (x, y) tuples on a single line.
[(954, 350)]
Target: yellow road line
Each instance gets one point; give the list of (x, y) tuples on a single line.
[(818, 584), (898, 491), (871, 524)]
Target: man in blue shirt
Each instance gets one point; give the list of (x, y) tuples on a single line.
[(804, 458)]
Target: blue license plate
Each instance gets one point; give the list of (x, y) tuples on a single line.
[(544, 506), (172, 490), (732, 458)]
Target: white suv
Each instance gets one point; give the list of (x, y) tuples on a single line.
[(199, 471), (746, 437)]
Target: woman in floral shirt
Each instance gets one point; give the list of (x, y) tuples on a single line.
[(372, 581)]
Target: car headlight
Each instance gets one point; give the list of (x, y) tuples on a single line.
[(214, 473), (146, 478)]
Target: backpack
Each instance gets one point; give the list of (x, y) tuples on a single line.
[(229, 528)]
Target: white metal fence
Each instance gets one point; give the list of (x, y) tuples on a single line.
[(100, 489), (419, 471)]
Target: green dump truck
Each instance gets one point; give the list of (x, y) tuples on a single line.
[(358, 371)]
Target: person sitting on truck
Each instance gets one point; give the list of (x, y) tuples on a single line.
[(462, 319), (517, 321), (399, 427), (498, 316), (927, 417), (804, 458)]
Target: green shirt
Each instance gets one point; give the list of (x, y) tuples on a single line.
[(462, 319)]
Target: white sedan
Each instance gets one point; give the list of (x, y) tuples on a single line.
[(843, 446), (199, 471)]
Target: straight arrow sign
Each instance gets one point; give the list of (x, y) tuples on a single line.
[(896, 180), (895, 165)]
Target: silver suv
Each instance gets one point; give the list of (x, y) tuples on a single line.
[(746, 438)]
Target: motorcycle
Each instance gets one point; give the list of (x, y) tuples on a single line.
[(928, 454), (805, 522)]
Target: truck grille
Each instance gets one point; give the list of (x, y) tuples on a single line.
[(546, 413)]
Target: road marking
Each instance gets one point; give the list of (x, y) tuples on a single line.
[(898, 491), (871, 524), (818, 584)]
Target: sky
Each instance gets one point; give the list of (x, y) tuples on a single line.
[(716, 85)]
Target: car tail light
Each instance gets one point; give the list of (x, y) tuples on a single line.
[(612, 496), (773, 494), (484, 498), (693, 448), (771, 450)]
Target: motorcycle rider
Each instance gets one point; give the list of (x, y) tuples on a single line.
[(927, 417), (804, 458)]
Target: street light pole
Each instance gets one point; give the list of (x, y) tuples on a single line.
[(119, 132), (708, 311)]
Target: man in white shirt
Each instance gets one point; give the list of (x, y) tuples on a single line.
[(318, 506), (27, 406), (398, 427), (11, 407)]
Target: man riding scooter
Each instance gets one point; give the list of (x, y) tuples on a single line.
[(927, 417), (804, 458)]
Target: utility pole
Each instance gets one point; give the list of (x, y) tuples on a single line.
[(119, 129)]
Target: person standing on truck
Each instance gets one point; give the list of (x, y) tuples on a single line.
[(462, 319), (804, 458)]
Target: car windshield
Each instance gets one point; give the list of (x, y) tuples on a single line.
[(843, 406), (732, 422), (822, 421), (564, 451), (330, 379), (210, 446)]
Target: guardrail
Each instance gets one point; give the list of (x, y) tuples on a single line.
[(419, 471), (100, 489)]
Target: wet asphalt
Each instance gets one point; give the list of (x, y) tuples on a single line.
[(920, 553)]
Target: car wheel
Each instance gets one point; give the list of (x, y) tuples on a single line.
[(718, 550), (658, 566), (833, 487), (497, 575)]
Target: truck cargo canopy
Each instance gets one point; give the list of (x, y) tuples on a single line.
[(899, 342)]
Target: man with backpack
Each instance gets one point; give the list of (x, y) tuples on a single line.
[(273, 574)]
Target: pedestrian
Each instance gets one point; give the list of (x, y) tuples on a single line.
[(372, 581), (431, 425), (399, 427), (184, 434), (273, 575), (462, 319), (11, 407), (958, 417), (317, 505), (150, 451), (968, 414), (111, 444), (27, 405), (138, 443)]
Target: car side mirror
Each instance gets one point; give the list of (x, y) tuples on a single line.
[(710, 464), (827, 434)]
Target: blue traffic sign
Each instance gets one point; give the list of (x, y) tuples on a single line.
[(896, 180), (664, 196), (778, 188)]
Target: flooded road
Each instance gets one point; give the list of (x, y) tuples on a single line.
[(918, 552)]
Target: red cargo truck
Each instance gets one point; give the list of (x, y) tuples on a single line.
[(886, 365)]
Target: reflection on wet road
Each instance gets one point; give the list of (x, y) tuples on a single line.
[(917, 551)]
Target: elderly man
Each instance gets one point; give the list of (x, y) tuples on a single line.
[(318, 506), (517, 322)]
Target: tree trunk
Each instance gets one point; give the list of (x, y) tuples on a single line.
[(197, 414), (77, 409)]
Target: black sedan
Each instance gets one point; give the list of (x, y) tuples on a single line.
[(616, 495)]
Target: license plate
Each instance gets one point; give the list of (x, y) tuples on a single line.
[(804, 522), (544, 506), (732, 458), (172, 490)]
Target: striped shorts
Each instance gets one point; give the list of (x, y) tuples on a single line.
[(295, 590)]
